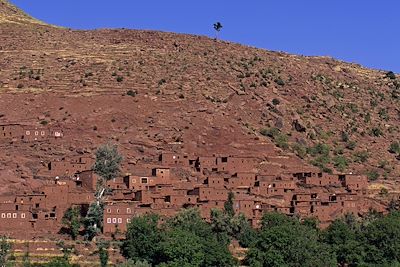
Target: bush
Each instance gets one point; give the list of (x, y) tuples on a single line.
[(361, 156), (161, 82), (131, 93), (376, 132), (280, 139), (390, 75), (373, 175), (275, 101), (351, 145), (340, 163), (394, 147), (300, 150), (270, 132), (345, 137), (280, 82), (120, 79)]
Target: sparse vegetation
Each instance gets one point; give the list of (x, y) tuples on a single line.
[(340, 163), (372, 175), (361, 156), (395, 148), (280, 139), (390, 75), (131, 93), (72, 221), (376, 131), (5, 248), (275, 101)]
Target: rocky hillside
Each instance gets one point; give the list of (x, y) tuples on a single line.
[(11, 14), (152, 91)]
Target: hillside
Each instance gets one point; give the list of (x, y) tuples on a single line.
[(150, 91), (11, 14)]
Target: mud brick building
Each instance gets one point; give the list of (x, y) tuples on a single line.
[(41, 211), (162, 188), (303, 192), (28, 133), (69, 166)]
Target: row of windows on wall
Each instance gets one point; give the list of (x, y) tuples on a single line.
[(12, 215), (42, 133), (117, 220), (128, 210)]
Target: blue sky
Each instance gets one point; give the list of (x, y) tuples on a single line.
[(361, 31)]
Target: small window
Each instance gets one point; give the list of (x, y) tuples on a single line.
[(108, 210), (128, 210), (42, 133), (117, 210), (8, 215), (114, 220), (108, 220), (144, 180), (119, 220), (14, 215), (23, 215), (36, 133), (128, 220), (28, 133), (3, 215)]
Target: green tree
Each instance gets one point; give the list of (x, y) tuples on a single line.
[(183, 240), (381, 239), (142, 239), (228, 205), (182, 248), (190, 220), (93, 222), (283, 241), (5, 248), (71, 220), (217, 27), (103, 253), (242, 230), (343, 241), (216, 251), (108, 162), (221, 225)]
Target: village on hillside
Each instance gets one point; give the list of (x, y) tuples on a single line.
[(175, 181)]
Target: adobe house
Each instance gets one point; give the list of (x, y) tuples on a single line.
[(118, 215), (242, 180), (32, 133), (354, 182), (11, 131), (229, 164), (171, 159), (86, 179), (323, 180), (68, 167), (141, 182)]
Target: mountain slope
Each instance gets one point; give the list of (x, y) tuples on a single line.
[(11, 14), (152, 91)]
